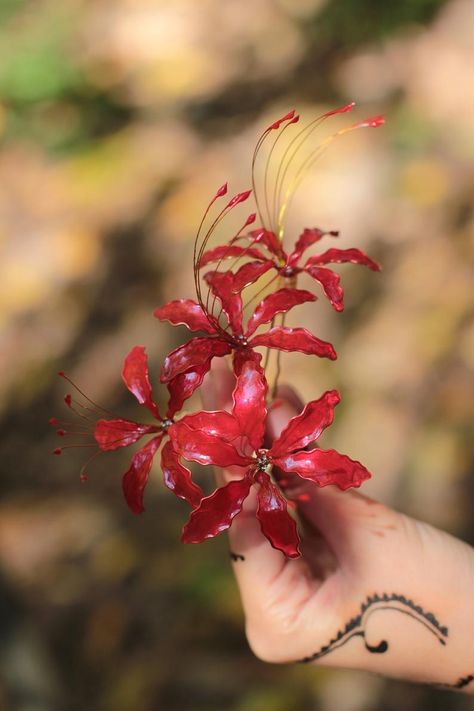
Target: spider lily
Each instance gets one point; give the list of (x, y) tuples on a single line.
[(234, 338), (226, 439), (111, 434), (289, 266)]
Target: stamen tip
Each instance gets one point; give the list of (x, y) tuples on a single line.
[(61, 373), (53, 421), (222, 190), (57, 451), (61, 433), (83, 478), (68, 399)]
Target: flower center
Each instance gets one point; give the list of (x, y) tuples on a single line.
[(264, 462), (166, 423), (241, 341), (288, 272)]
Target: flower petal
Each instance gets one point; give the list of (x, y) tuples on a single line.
[(193, 355), (329, 280), (308, 237), (307, 426), (222, 286), (249, 273), (324, 467), (242, 355), (136, 378), (280, 301), (203, 448), (183, 386), (294, 339), (185, 312), (216, 511), (269, 239), (112, 434), (218, 424), (178, 478), (136, 477), (249, 403), (339, 256), (276, 523), (226, 251)]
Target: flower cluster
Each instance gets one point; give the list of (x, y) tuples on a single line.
[(228, 327)]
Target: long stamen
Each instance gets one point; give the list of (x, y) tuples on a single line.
[(274, 126), (309, 161), (299, 140)]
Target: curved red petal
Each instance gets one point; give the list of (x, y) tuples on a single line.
[(216, 512), (308, 425), (308, 237), (295, 339), (276, 523), (136, 477), (249, 273), (242, 355), (112, 434), (222, 286), (178, 478), (218, 424), (324, 467), (330, 281), (193, 355), (280, 301), (269, 239), (203, 448), (183, 386), (136, 377), (185, 312), (340, 256), (226, 251), (249, 407)]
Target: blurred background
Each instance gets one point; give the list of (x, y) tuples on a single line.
[(119, 119)]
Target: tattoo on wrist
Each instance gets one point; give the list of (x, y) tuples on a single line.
[(236, 556), (375, 603), (461, 683)]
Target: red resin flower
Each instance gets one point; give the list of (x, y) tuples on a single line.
[(114, 433), (289, 265), (198, 352), (227, 439)]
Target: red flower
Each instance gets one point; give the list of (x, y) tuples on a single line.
[(289, 266), (114, 433), (235, 439), (226, 286)]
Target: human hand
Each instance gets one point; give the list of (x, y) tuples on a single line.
[(373, 589)]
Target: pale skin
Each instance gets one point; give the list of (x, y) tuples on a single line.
[(418, 623)]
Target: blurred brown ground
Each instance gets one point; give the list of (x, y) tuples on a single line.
[(118, 120)]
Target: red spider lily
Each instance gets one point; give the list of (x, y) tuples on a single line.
[(289, 265), (111, 434), (235, 439), (227, 287)]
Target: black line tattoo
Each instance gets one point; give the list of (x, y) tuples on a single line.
[(356, 626), (460, 684), (236, 556)]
